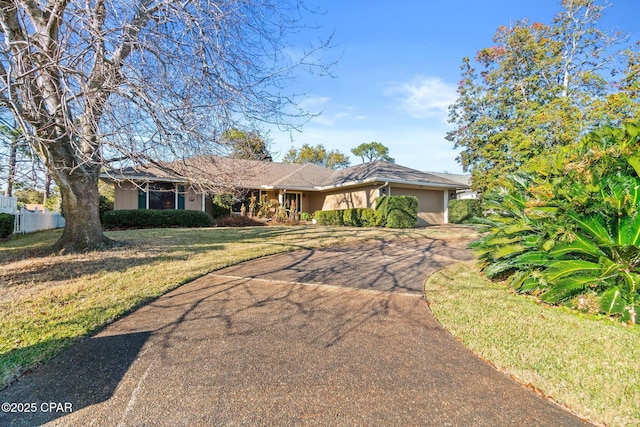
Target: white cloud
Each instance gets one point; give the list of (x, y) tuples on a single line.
[(424, 97), (328, 114), (314, 101)]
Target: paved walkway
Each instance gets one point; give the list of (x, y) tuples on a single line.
[(338, 336)]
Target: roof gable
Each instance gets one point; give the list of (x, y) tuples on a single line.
[(384, 171)]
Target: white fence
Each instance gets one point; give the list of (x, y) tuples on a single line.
[(28, 222), (8, 205)]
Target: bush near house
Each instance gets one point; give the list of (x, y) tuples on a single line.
[(220, 211), (351, 217), (463, 211), (370, 218), (335, 217), (398, 211), (354, 217), (147, 218), (7, 222)]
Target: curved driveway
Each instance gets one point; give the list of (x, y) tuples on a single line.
[(337, 336)]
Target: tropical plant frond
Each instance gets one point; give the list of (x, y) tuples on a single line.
[(560, 269), (613, 302), (568, 287), (580, 246), (594, 228)]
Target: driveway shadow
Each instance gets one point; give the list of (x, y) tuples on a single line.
[(84, 375), (397, 266)]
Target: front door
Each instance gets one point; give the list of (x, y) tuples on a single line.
[(293, 201)]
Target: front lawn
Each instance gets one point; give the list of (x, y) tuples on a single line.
[(589, 364)]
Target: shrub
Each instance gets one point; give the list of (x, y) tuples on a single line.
[(238, 221), (219, 211), (351, 217), (335, 217), (106, 205), (463, 211), (305, 216), (398, 211), (147, 218), (381, 208), (7, 222), (370, 217)]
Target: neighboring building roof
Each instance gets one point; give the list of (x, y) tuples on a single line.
[(291, 176), (464, 179)]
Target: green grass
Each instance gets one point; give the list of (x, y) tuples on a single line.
[(47, 302), (587, 363)]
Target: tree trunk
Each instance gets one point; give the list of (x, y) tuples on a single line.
[(81, 209), (47, 186)]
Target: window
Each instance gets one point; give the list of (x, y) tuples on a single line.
[(162, 195)]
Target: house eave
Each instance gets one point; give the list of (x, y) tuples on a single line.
[(287, 188), (378, 180), (139, 178)]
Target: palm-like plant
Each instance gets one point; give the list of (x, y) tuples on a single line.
[(572, 230)]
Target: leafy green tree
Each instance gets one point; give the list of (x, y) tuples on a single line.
[(370, 151), (337, 160), (246, 145), (317, 155), (540, 86)]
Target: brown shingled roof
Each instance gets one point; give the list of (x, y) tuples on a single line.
[(259, 174), (384, 171)]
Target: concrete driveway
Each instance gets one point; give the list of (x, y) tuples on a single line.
[(337, 336)]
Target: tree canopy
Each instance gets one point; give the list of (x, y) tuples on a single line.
[(95, 82), (317, 155), (370, 151), (540, 87), (246, 145)]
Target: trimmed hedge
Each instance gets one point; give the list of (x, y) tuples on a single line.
[(398, 211), (147, 218), (355, 217), (7, 222), (371, 218), (351, 217), (330, 217), (464, 210)]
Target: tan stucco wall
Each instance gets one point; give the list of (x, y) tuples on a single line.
[(363, 197), (312, 202), (126, 196), (192, 200), (430, 204)]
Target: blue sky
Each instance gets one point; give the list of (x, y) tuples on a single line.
[(399, 68)]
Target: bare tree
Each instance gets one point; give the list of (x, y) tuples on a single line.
[(91, 82)]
